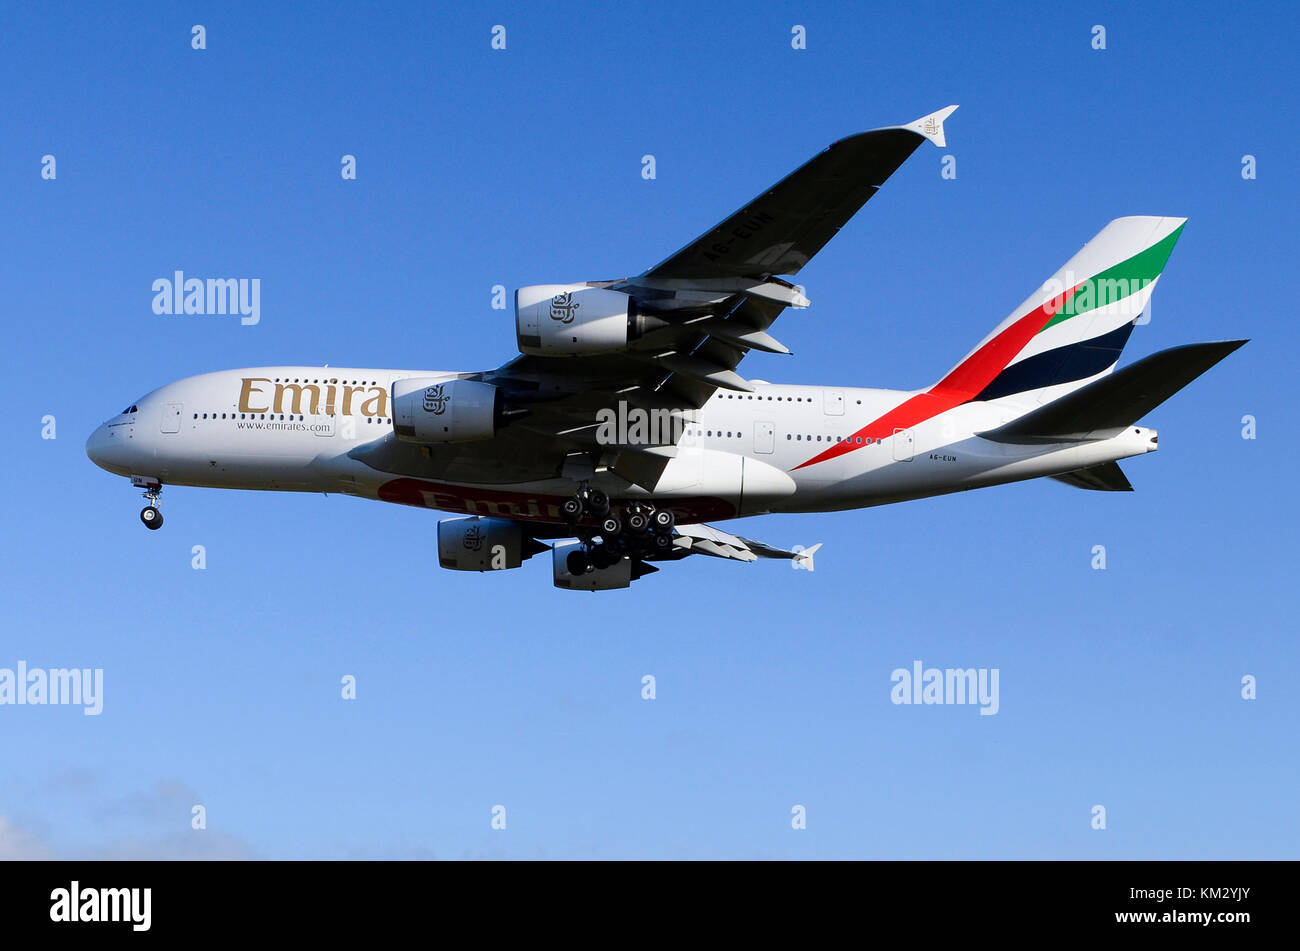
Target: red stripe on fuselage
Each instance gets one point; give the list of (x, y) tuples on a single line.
[(528, 506), (960, 386)]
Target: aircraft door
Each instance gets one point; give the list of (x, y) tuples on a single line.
[(764, 437), (171, 417), (902, 445), (834, 402)]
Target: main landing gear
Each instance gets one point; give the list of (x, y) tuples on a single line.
[(635, 529), (151, 514)]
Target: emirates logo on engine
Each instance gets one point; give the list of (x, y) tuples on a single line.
[(473, 538), (435, 400), (564, 307)]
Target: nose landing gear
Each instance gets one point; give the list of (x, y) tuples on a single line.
[(151, 514)]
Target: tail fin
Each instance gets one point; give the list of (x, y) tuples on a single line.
[(1067, 334), (1071, 330)]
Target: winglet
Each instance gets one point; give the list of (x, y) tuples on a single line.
[(931, 126), (804, 559)]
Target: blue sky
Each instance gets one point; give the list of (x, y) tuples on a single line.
[(477, 167)]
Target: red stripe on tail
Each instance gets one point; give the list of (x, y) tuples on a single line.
[(960, 386)]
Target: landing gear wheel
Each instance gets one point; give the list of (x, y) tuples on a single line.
[(597, 502), (571, 509), (637, 522), (663, 542), (610, 526), (663, 519), (151, 515)]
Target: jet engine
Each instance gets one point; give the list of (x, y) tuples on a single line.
[(483, 544), (574, 570), (558, 320), (427, 410), (618, 575)]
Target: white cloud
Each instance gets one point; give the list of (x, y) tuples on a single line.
[(17, 843)]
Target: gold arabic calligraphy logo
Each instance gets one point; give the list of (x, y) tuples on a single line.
[(435, 400), (564, 307)]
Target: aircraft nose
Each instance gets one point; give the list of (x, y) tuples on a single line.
[(95, 447), (106, 451)]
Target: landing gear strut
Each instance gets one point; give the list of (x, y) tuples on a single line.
[(588, 501), (151, 514), (636, 529)]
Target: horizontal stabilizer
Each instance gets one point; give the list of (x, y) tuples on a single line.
[(1107, 477), (1117, 400)]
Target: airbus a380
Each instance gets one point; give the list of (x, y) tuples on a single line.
[(623, 425)]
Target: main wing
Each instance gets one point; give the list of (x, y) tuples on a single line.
[(714, 300), (707, 540)]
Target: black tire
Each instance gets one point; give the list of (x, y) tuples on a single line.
[(637, 522), (663, 519), (578, 563), (571, 509), (151, 517), (610, 526), (663, 542), (597, 502)]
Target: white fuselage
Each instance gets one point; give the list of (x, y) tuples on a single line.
[(302, 429)]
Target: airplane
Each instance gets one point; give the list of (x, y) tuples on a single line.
[(623, 426)]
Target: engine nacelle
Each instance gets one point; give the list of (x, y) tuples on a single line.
[(426, 410), (556, 320), (481, 544), (619, 575)]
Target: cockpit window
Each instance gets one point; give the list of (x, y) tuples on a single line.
[(130, 409)]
